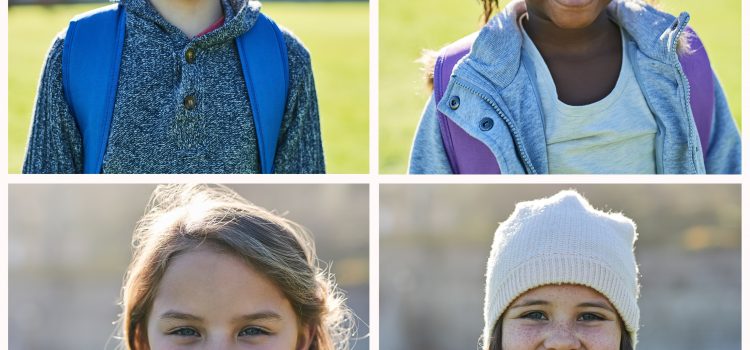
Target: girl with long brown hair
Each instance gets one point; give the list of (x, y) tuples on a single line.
[(213, 271)]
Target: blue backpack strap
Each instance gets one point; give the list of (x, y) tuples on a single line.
[(90, 80), (265, 65)]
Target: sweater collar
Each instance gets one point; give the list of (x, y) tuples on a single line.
[(239, 17), (496, 53)]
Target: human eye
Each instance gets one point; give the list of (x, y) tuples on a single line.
[(253, 332), (590, 317), (184, 332), (534, 315)]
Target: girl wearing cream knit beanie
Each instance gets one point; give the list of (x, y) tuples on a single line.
[(562, 275)]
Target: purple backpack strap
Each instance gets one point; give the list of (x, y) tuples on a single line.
[(697, 68), (475, 157)]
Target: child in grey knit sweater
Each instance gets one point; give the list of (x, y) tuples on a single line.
[(181, 104)]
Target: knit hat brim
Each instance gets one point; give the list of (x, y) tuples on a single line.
[(564, 269)]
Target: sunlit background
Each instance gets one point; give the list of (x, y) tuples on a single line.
[(69, 247), (435, 240), (335, 33), (408, 27)]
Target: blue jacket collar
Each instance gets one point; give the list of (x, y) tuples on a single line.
[(496, 53)]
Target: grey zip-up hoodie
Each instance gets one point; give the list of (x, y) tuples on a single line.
[(498, 104), (154, 130)]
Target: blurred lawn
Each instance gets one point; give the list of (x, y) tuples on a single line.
[(406, 29), (341, 79)]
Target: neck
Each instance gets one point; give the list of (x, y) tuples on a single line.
[(190, 16), (549, 37)]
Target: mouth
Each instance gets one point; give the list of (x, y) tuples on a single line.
[(574, 3)]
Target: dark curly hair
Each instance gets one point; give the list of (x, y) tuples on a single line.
[(489, 7)]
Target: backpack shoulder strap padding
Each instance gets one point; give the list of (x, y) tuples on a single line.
[(92, 53), (90, 69), (265, 64), (475, 156), (698, 70)]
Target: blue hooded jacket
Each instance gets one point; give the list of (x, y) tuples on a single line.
[(493, 81)]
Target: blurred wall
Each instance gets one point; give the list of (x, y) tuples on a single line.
[(69, 246), (435, 240)]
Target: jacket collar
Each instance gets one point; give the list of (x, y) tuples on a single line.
[(239, 17), (496, 53)]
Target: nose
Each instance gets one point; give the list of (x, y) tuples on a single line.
[(562, 337), (221, 344)]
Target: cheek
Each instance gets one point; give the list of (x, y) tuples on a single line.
[(275, 344), (158, 343), (600, 338), (517, 336), (288, 338)]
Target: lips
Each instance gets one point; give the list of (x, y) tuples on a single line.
[(574, 3)]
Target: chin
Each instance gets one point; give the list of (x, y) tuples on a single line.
[(575, 14), (577, 22)]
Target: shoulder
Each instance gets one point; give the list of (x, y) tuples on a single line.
[(53, 62), (448, 56), (298, 53), (300, 65), (58, 42)]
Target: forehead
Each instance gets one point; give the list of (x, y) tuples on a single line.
[(563, 294), (206, 282)]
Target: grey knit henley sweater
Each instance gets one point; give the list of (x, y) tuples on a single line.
[(153, 131)]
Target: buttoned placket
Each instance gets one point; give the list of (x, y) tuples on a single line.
[(189, 108)]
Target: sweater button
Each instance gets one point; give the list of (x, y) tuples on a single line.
[(189, 102), (454, 102), (190, 55), (486, 124)]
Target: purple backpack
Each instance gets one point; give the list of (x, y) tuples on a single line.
[(468, 155)]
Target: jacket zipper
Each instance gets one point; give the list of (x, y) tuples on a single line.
[(508, 122), (686, 89)]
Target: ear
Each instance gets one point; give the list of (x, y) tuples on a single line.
[(305, 338)]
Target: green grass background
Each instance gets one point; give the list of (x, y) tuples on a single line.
[(337, 35), (407, 27)]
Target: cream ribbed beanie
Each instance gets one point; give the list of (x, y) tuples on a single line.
[(558, 240)]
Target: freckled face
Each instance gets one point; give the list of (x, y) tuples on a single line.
[(561, 317), (212, 300), (567, 14)]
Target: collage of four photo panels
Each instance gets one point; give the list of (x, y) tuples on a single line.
[(383, 174)]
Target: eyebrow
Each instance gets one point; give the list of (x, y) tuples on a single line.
[(257, 316), (543, 302), (596, 304), (179, 316), (530, 303), (260, 316)]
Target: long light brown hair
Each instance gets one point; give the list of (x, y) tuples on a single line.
[(182, 217)]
